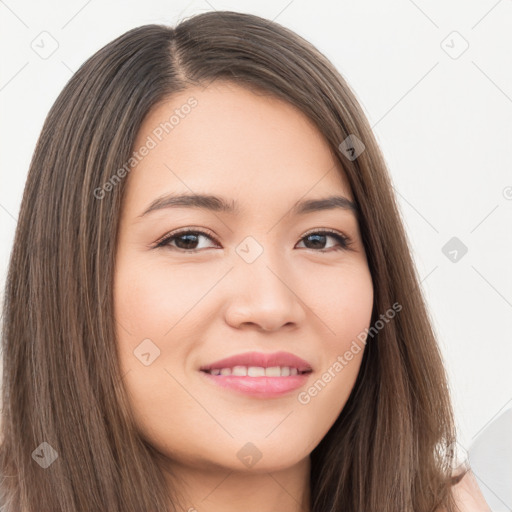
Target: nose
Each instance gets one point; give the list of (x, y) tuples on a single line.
[(265, 295)]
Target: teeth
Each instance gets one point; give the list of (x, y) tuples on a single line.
[(256, 371), (274, 371), (239, 371)]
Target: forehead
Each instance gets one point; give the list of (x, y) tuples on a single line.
[(227, 140)]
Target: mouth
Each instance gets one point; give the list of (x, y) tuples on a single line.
[(257, 371), (259, 374), (259, 364), (254, 383)]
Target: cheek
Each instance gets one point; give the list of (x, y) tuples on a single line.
[(150, 307), (352, 311), (342, 302), (150, 300), (344, 311)]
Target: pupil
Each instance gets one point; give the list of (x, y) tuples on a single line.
[(189, 237), (316, 237)]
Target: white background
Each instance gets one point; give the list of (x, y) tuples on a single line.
[(444, 125)]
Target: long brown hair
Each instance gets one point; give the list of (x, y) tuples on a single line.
[(62, 392)]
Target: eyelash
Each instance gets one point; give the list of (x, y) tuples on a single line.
[(344, 241)]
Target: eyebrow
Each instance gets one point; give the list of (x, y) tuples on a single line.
[(219, 204)]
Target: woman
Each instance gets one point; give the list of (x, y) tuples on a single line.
[(211, 301)]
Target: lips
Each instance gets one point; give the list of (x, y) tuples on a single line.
[(265, 387), (261, 359)]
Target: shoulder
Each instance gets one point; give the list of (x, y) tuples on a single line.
[(468, 496)]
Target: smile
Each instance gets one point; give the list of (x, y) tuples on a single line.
[(257, 371), (243, 380)]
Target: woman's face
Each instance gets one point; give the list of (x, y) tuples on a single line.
[(264, 279)]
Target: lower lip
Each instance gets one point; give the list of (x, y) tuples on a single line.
[(262, 387)]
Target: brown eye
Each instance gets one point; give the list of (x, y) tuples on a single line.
[(188, 240), (318, 239), (184, 240)]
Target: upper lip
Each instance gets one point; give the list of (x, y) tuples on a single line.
[(261, 359)]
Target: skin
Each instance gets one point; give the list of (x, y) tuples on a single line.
[(200, 307), (468, 496)]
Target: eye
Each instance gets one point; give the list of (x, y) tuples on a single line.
[(186, 240), (318, 238)]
